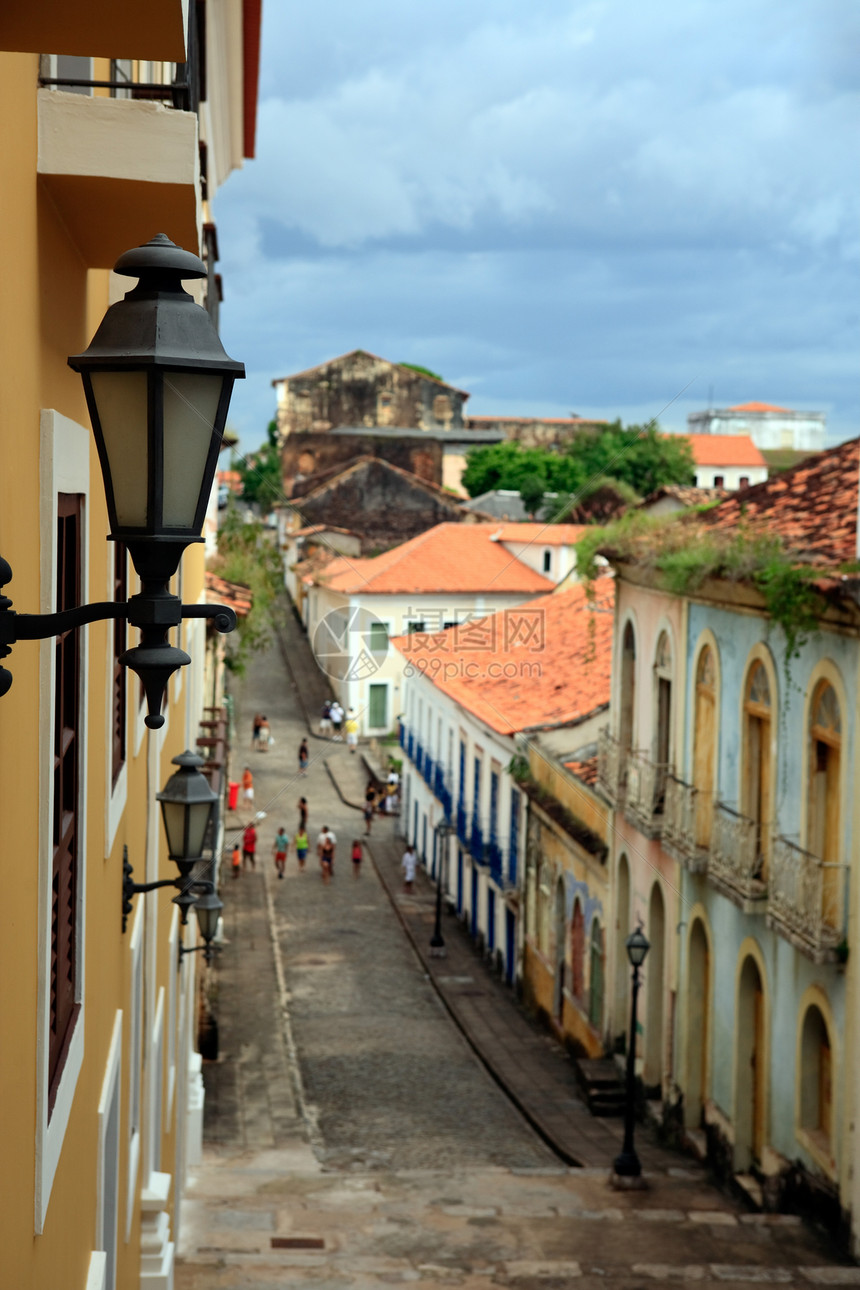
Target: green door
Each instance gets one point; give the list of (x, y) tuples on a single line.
[(378, 714)]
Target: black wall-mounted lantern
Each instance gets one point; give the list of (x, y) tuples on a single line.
[(208, 908), (187, 801), (158, 383)]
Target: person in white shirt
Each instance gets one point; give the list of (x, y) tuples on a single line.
[(408, 865), (336, 715), (325, 850)]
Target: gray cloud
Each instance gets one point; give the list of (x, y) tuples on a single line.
[(578, 205)]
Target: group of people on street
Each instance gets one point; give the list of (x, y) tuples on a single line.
[(261, 735)]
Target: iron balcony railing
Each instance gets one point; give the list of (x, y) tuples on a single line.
[(645, 792), (686, 828), (463, 823), (495, 860), (476, 841), (610, 766), (513, 856), (737, 862), (804, 899)]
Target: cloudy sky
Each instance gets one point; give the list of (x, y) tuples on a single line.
[(600, 208)]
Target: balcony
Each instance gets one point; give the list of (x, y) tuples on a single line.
[(683, 825), (428, 770), (410, 745), (737, 863), (645, 793), (512, 861), (117, 169), (495, 859), (803, 900), (610, 766), (97, 28), (476, 842), (401, 735), (462, 824)]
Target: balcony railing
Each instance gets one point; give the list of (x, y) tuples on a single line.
[(645, 794), (512, 861), (737, 864), (682, 824), (494, 859), (428, 770), (610, 766), (419, 755), (476, 842), (401, 735), (803, 899), (462, 823), (410, 745)]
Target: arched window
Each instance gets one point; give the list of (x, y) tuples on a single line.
[(577, 952), (825, 755), (662, 742), (816, 1080), (595, 992), (756, 798), (704, 745), (628, 688)]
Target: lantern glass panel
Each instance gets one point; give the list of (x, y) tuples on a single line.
[(121, 400), (208, 910), (198, 819), (190, 408), (173, 814)]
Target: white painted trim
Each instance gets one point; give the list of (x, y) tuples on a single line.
[(170, 1056), (118, 794), (97, 1271), (64, 467), (135, 1026), (110, 1090)]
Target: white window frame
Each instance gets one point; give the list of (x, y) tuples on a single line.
[(172, 958), (64, 468)]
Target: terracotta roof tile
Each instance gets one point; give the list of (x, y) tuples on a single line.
[(539, 534), (234, 594), (584, 770), (543, 664), (448, 557), (725, 450), (812, 507), (757, 407)]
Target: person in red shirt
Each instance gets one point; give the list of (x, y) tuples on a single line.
[(249, 847)]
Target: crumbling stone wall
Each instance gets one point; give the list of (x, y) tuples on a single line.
[(307, 459)]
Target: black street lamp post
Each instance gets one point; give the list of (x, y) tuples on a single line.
[(443, 831), (627, 1165)]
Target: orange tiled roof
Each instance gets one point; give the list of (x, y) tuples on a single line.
[(725, 450), (812, 506), (543, 664), (584, 770), (449, 557), (757, 407), (540, 534), (234, 594)]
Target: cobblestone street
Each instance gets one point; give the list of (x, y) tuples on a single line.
[(352, 1136)]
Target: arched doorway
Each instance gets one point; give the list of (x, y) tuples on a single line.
[(698, 994), (750, 1068), (560, 940), (621, 1019), (816, 1080), (654, 973)]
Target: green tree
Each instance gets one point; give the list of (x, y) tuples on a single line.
[(248, 555), (532, 489), (507, 465), (260, 471), (640, 456)]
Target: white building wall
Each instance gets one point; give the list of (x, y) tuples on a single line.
[(731, 477)]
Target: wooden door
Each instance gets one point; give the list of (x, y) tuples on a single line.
[(704, 747), (758, 1071)]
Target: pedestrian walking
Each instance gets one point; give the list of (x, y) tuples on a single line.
[(249, 847), (391, 791), (325, 718), (302, 845), (368, 816), (326, 843), (247, 786), (279, 850), (236, 860), (263, 735), (255, 730), (303, 757), (408, 865), (357, 856), (303, 812), (351, 730), (336, 714)]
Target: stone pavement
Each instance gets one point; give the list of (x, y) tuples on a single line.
[(352, 1139)]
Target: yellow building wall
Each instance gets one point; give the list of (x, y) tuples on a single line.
[(50, 305)]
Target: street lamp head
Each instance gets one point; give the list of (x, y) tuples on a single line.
[(186, 801), (208, 910), (158, 383), (637, 947)]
